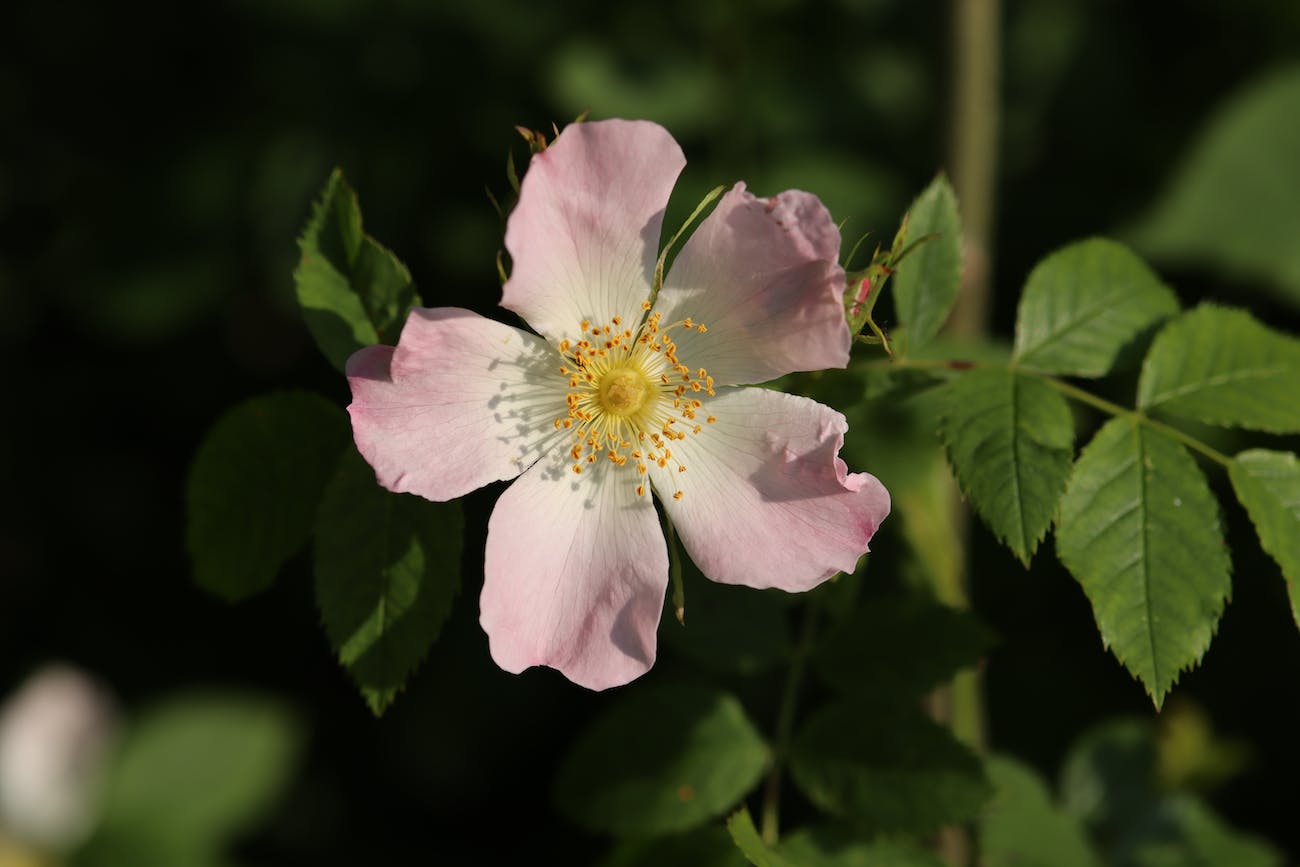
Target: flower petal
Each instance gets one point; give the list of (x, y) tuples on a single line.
[(461, 401), (584, 237), (763, 275), (576, 568), (766, 501)]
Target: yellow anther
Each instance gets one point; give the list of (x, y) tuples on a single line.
[(577, 469), (701, 329), (681, 468), (711, 419), (645, 305), (640, 490), (677, 495)]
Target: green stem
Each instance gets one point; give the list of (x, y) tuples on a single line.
[(1115, 409), (1074, 393), (785, 725)]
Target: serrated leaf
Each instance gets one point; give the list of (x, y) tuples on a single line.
[(192, 774), (254, 487), (743, 833), (888, 767), (1085, 305), (900, 647), (928, 280), (1268, 485), (1023, 828), (387, 570), (1220, 366), (1232, 203), (1010, 439), (695, 755), (1140, 531), (830, 846), (353, 292)]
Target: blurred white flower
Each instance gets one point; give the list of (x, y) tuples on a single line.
[(55, 732)]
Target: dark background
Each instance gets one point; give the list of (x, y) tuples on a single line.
[(155, 170)]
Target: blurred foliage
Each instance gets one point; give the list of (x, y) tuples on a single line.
[(154, 171)]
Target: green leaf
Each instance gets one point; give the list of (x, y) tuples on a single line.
[(1140, 532), (743, 833), (1220, 366), (1110, 782), (1268, 485), (928, 280), (1108, 779), (887, 766), (253, 489), (710, 846), (192, 774), (659, 760), (830, 846), (1232, 202), (1196, 837), (1085, 305), (353, 292), (387, 569), (1010, 439), (1023, 828), (900, 646)]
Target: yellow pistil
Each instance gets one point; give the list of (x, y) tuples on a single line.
[(627, 387)]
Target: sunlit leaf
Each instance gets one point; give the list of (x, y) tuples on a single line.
[(887, 766), (1022, 827), (928, 280), (254, 487), (1140, 532), (353, 292), (1220, 366), (1268, 485), (659, 760), (1085, 305), (387, 569), (1010, 439)]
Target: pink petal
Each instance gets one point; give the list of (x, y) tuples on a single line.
[(766, 500), (576, 568), (584, 237), (461, 401), (763, 276)]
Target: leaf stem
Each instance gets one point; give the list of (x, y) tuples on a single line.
[(1075, 393), (1115, 409), (785, 724)]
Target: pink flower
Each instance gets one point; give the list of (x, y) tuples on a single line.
[(616, 400)]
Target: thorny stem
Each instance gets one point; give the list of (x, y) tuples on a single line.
[(771, 828)]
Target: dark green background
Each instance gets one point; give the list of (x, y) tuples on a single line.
[(156, 168)]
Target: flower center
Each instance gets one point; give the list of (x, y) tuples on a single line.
[(630, 397), (623, 391)]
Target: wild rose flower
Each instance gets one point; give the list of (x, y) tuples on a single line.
[(616, 400)]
